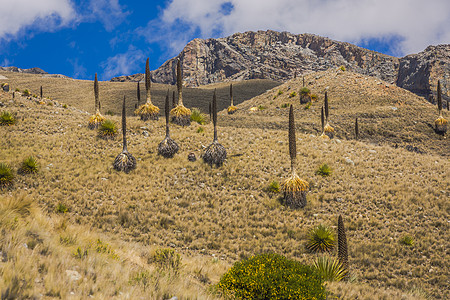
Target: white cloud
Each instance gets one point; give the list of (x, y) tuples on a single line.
[(44, 15), (123, 63), (413, 24), (109, 12)]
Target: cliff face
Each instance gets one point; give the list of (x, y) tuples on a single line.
[(278, 55), (420, 72), (18, 70)]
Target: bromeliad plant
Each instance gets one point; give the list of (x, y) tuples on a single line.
[(7, 119), (96, 119), (294, 188), (107, 130), (29, 166), (124, 161), (6, 176), (231, 109), (215, 154), (328, 130), (320, 239), (167, 147), (180, 114), (441, 122), (148, 111), (330, 268)]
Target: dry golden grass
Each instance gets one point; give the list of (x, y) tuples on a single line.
[(205, 213)]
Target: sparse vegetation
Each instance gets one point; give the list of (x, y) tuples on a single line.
[(271, 276), (61, 208), (407, 240), (342, 68), (292, 94), (320, 239), (324, 170), (307, 106), (26, 92), (274, 187), (7, 119), (29, 166), (107, 130), (166, 260), (6, 176)]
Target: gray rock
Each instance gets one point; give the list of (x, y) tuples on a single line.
[(145, 133), (349, 161), (73, 275)]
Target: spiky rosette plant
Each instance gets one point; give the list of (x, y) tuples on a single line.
[(320, 239), (305, 94), (231, 109), (215, 154), (6, 176), (29, 166), (342, 245), (356, 129), (7, 119), (148, 111), (294, 188), (138, 94), (440, 123), (180, 114), (96, 119), (330, 268), (41, 94), (328, 130), (107, 130), (167, 147), (124, 161)]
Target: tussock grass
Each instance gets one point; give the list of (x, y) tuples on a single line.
[(6, 176)]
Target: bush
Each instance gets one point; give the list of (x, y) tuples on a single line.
[(320, 239), (261, 107), (407, 240), (166, 259), (7, 119), (107, 130), (272, 276), (324, 170), (293, 94), (274, 187), (330, 268), (197, 116), (284, 105), (6, 176), (200, 129), (280, 92), (305, 91), (61, 208), (29, 166), (26, 93), (307, 106), (342, 68)]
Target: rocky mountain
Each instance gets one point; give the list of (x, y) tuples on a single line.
[(18, 70), (278, 55)]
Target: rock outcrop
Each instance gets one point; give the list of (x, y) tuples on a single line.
[(18, 70)]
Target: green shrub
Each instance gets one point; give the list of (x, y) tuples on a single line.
[(61, 208), (107, 130), (320, 239), (274, 187), (17, 90), (324, 170), (305, 91), (26, 92), (271, 276), (65, 106), (314, 97), (7, 119), (293, 94), (407, 240), (29, 166), (166, 259), (284, 105), (109, 113), (197, 116), (329, 268), (6, 176), (261, 107), (200, 129), (342, 68), (280, 92), (307, 106)]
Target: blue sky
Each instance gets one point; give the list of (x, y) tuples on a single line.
[(114, 37)]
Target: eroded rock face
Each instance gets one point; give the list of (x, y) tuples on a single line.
[(18, 70), (420, 72)]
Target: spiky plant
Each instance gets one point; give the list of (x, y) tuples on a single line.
[(294, 188), (180, 114), (174, 100), (330, 268), (210, 110), (198, 116), (231, 109), (148, 111), (124, 161), (305, 94), (356, 128), (41, 92), (96, 119), (320, 239), (441, 122), (342, 244), (167, 147), (328, 130), (322, 122), (138, 94), (215, 154), (7, 119), (29, 166), (6, 176), (107, 130), (5, 87)]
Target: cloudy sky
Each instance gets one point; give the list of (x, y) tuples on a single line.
[(113, 37)]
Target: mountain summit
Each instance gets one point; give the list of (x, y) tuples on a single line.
[(279, 55)]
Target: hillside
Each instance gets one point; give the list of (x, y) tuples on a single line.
[(278, 55), (216, 216)]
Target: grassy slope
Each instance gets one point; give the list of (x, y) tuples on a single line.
[(80, 93), (224, 212)]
